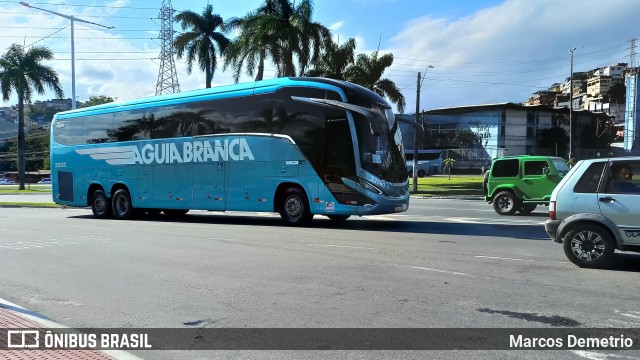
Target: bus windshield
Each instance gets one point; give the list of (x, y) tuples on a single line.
[(380, 144)]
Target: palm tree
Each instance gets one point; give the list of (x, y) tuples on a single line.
[(23, 73), (201, 40), (278, 30), (335, 61), (368, 71)]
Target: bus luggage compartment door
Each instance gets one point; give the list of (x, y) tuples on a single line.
[(209, 185)]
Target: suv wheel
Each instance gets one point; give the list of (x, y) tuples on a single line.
[(589, 246), (506, 203)]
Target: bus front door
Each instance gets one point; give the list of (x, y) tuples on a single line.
[(339, 164)]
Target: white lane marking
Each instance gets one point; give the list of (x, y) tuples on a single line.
[(501, 258), (486, 221), (343, 246), (631, 314), (442, 271), (634, 324), (592, 355)]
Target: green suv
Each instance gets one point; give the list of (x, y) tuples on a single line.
[(520, 183)]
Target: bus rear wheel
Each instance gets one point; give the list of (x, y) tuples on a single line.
[(100, 205), (121, 205), (294, 209)]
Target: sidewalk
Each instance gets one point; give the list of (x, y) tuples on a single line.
[(13, 316)]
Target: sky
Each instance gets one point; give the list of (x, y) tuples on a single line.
[(481, 51)]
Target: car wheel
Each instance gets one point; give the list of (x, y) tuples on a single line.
[(505, 203), (100, 205), (294, 209), (527, 208), (121, 205), (589, 246)]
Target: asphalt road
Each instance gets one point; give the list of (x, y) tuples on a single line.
[(444, 263)]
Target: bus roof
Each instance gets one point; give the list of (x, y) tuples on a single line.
[(247, 88)]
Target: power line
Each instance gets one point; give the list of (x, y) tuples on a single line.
[(86, 5), (84, 16)]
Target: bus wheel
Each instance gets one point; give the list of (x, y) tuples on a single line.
[(338, 218), (421, 173), (100, 205), (174, 212), (295, 207), (121, 204)]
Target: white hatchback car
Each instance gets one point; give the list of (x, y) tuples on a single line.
[(595, 210)]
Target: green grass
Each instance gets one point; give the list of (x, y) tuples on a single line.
[(443, 186), (13, 190), (29, 204)]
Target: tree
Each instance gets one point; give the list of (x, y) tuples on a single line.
[(278, 30), (616, 93), (553, 138), (200, 40), (38, 145), (21, 71), (97, 100), (368, 71), (448, 164), (466, 139), (335, 60), (46, 113)]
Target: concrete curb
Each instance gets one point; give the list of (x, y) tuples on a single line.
[(48, 323)]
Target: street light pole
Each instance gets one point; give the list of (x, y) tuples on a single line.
[(571, 105), (415, 133), (73, 55)]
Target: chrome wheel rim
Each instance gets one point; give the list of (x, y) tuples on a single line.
[(293, 207), (505, 203), (588, 246)]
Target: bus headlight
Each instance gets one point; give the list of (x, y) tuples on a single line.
[(369, 186)]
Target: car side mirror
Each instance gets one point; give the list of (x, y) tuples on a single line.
[(546, 171)]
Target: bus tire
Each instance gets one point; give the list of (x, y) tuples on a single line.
[(121, 205), (174, 213), (295, 207), (421, 173), (100, 205)]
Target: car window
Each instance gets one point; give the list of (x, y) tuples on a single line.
[(505, 168), (588, 182), (561, 166), (624, 177), (535, 167)]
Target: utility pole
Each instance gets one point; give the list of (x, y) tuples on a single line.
[(415, 139), (73, 53), (415, 134), (571, 105)]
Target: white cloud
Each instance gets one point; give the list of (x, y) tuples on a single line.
[(507, 52), (336, 26)]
